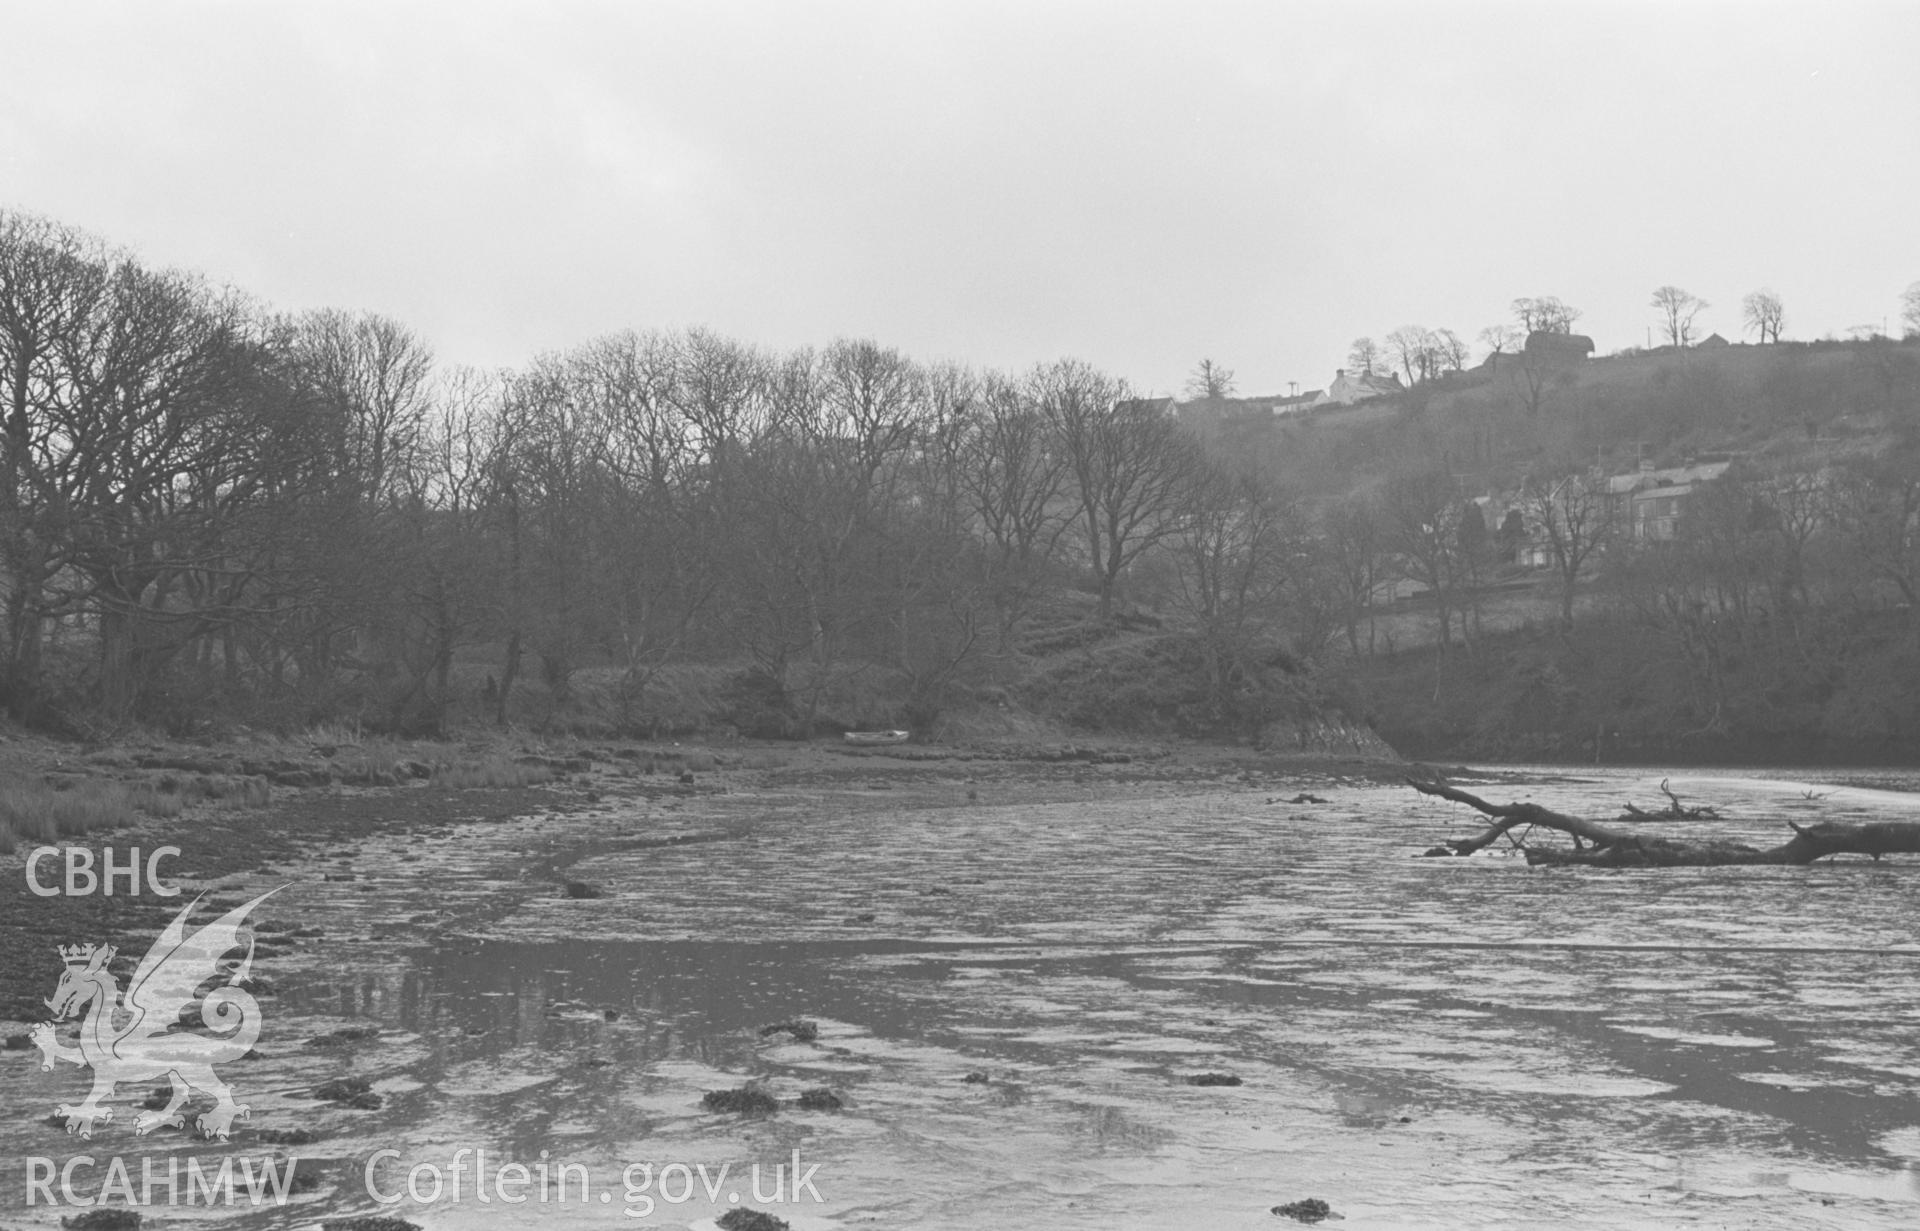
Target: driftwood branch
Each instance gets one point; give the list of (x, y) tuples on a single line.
[(1610, 845), (1674, 811)]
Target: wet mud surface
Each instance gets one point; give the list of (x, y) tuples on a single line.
[(1017, 977)]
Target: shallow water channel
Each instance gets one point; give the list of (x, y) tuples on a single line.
[(1011, 998)]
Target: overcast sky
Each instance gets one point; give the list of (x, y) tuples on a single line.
[(1135, 184)]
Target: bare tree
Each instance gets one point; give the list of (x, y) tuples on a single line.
[(721, 389), (1502, 339), (1416, 349), (1352, 543), (1130, 465), (156, 439), (1910, 309), (943, 586), (1365, 357), (1426, 353), (373, 372), (1531, 375), (560, 487), (52, 281), (1678, 309), (827, 476), (1012, 478), (1545, 314), (658, 517), (380, 595), (776, 500), (1236, 554), (874, 398), (1874, 513), (1575, 516), (1420, 520), (444, 591), (1791, 508), (1765, 314), (1210, 381)]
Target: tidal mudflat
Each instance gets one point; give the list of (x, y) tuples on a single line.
[(1075, 996)]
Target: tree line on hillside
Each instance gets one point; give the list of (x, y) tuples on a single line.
[(1779, 599), (1420, 354), (203, 500), (207, 506)]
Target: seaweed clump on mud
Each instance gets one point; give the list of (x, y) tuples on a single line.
[(343, 1037), (354, 1092), (748, 1100), (1213, 1079), (1312, 1209), (105, 1220), (369, 1222), (803, 1031), (820, 1099), (744, 1219)]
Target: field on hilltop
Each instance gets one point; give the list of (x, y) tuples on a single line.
[(1775, 402)]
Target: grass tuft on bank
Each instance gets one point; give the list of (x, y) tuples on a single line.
[(490, 771), (39, 810)]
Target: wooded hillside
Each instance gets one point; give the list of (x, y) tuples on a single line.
[(211, 512)]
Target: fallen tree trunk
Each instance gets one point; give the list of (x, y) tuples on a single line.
[(1597, 844)]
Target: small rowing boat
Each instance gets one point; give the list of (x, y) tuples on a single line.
[(877, 737)]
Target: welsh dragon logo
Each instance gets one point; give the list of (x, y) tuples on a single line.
[(149, 1032)]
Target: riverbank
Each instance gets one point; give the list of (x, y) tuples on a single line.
[(330, 796), (377, 886), (1115, 987), (1617, 692)]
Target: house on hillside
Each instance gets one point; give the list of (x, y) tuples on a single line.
[(1713, 341), (1294, 404), (1350, 387), (1148, 406), (1545, 348), (1651, 501), (1202, 414), (1278, 405), (1249, 411), (1516, 537), (1509, 531), (1567, 348)]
